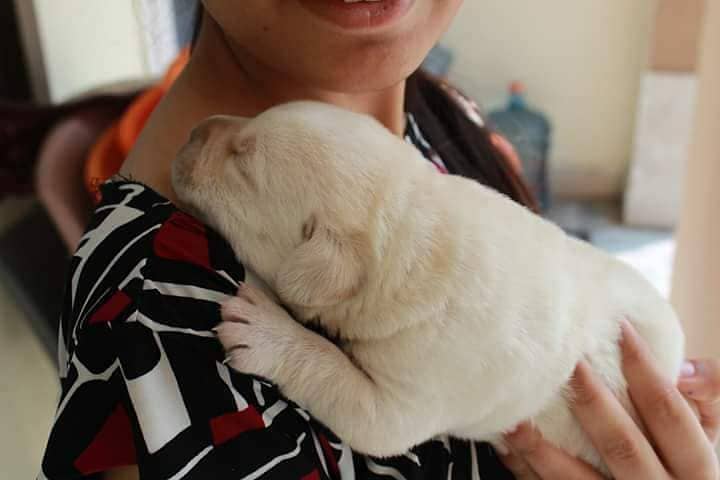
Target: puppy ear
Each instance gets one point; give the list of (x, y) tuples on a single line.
[(324, 270)]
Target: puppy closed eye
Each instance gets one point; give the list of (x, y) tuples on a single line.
[(309, 228)]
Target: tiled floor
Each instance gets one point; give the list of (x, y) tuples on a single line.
[(28, 383)]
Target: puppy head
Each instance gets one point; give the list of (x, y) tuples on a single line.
[(293, 191)]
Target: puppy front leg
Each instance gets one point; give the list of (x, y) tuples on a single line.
[(261, 338)]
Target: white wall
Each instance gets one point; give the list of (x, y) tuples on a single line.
[(87, 43), (581, 60)]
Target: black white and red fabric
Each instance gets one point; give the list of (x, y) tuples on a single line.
[(143, 380)]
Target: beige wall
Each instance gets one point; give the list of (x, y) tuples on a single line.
[(582, 61), (88, 43), (696, 284)]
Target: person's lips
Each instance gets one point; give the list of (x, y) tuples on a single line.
[(359, 14)]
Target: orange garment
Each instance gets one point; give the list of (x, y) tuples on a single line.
[(109, 152)]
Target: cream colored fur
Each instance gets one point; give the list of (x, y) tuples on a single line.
[(458, 311)]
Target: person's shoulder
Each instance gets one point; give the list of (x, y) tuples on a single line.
[(131, 213), (121, 230), (139, 242), (127, 206)]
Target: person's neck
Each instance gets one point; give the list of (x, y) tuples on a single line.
[(222, 80), (233, 80)]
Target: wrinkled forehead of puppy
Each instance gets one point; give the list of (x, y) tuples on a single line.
[(318, 134), (311, 149)]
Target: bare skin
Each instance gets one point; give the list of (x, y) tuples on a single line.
[(216, 83)]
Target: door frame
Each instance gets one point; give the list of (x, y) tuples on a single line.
[(32, 49)]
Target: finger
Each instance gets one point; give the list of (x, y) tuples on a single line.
[(615, 435), (548, 461), (709, 414), (701, 384), (678, 436), (518, 467), (701, 380)]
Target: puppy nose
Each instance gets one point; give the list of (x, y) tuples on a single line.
[(210, 128)]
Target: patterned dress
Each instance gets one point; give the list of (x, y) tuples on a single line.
[(142, 375)]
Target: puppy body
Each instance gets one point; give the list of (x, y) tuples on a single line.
[(459, 312)]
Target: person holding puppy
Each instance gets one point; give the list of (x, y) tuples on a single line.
[(145, 393)]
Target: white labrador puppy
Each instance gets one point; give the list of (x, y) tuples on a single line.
[(457, 311)]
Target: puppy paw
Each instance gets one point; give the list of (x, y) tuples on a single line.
[(255, 332)]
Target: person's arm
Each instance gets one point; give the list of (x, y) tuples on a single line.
[(681, 432)]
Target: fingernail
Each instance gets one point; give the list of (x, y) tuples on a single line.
[(502, 449), (688, 370), (628, 330), (690, 393), (523, 439), (632, 345), (582, 370), (519, 433)]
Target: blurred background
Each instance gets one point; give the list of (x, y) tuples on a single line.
[(611, 105)]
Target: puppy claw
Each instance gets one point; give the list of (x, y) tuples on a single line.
[(230, 352), (238, 320), (239, 346)]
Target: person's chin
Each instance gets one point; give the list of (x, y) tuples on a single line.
[(366, 70)]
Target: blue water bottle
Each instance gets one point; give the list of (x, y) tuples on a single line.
[(529, 131)]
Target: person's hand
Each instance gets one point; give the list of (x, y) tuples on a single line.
[(681, 433), (700, 384)]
